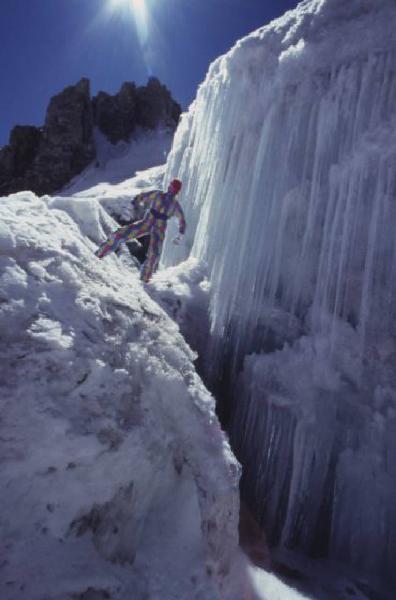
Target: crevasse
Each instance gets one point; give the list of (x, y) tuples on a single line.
[(287, 157)]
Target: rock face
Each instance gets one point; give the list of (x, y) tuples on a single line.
[(155, 105), (67, 143), (116, 115), (45, 159), (147, 107), (17, 158)]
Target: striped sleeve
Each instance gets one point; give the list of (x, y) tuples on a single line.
[(180, 215)]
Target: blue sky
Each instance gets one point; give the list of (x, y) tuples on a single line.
[(48, 44)]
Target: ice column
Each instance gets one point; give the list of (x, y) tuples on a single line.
[(288, 161)]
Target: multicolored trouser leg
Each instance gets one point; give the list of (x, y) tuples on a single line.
[(154, 251), (156, 229), (128, 232)]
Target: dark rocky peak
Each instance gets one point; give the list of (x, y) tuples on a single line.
[(18, 156), (46, 159), (127, 92), (67, 141), (70, 113), (155, 105), (145, 107), (115, 116)]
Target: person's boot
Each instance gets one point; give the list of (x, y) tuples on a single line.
[(105, 248)]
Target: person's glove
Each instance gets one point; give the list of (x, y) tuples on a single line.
[(177, 240)]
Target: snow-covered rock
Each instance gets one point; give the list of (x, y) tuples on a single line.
[(116, 479), (287, 157)]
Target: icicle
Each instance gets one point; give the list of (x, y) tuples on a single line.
[(288, 157)]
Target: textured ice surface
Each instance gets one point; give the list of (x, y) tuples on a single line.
[(287, 157)]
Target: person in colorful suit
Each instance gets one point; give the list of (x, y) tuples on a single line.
[(161, 206)]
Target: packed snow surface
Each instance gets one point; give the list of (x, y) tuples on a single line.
[(287, 158), (116, 163), (116, 478)]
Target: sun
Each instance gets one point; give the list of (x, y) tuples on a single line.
[(137, 10), (138, 7)]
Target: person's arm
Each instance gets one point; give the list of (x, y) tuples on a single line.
[(180, 215)]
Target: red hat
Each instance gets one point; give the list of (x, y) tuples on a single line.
[(175, 186)]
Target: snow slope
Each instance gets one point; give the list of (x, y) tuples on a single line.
[(106, 431), (116, 163), (116, 480), (287, 157)]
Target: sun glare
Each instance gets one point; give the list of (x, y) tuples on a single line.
[(139, 6), (137, 9)]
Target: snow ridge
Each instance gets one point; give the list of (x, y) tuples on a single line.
[(106, 430)]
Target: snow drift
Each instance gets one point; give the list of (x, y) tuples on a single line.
[(287, 157), (106, 431)]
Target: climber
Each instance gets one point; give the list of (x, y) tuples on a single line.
[(161, 206)]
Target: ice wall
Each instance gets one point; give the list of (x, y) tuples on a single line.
[(287, 157)]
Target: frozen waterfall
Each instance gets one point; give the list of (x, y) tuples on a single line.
[(288, 161)]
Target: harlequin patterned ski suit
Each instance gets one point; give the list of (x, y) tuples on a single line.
[(161, 207)]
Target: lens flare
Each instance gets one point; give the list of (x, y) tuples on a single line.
[(137, 9), (138, 12)]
